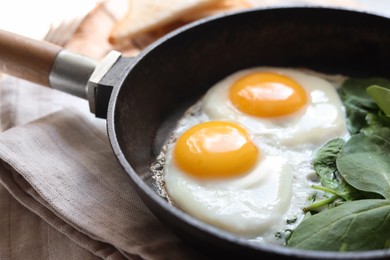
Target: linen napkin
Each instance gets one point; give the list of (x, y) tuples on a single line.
[(63, 194)]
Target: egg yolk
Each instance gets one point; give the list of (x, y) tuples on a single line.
[(215, 150), (267, 94)]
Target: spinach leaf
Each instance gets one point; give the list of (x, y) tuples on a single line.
[(358, 102), (325, 166), (356, 117), (364, 162), (354, 226), (324, 163), (355, 90), (355, 173), (376, 123), (381, 96)]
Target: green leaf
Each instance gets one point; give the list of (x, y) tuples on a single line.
[(354, 226), (355, 90), (332, 182), (364, 162), (324, 163), (358, 103), (381, 96), (356, 117), (325, 166), (376, 122)]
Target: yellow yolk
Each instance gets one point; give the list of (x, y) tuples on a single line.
[(215, 150), (267, 94)]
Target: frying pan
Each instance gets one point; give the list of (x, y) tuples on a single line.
[(143, 97)]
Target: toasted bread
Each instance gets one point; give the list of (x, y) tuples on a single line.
[(147, 15)]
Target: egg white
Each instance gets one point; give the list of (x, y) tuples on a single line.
[(257, 205), (320, 120), (247, 206)]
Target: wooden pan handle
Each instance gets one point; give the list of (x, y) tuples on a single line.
[(27, 58)]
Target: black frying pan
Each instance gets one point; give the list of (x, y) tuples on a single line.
[(151, 91)]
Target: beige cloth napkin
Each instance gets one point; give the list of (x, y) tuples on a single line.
[(63, 194)]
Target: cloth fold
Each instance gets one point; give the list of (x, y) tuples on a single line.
[(62, 169)]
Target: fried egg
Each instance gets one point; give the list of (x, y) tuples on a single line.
[(216, 173), (240, 159), (292, 106)]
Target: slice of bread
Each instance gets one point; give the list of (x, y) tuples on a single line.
[(221, 6), (147, 15), (147, 20)]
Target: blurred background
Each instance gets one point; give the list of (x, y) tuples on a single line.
[(34, 18)]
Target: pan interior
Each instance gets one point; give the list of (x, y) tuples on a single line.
[(172, 74)]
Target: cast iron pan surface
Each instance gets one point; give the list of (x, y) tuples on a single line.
[(177, 70)]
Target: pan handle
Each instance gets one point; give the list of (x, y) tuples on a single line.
[(52, 66), (26, 58), (45, 64)]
